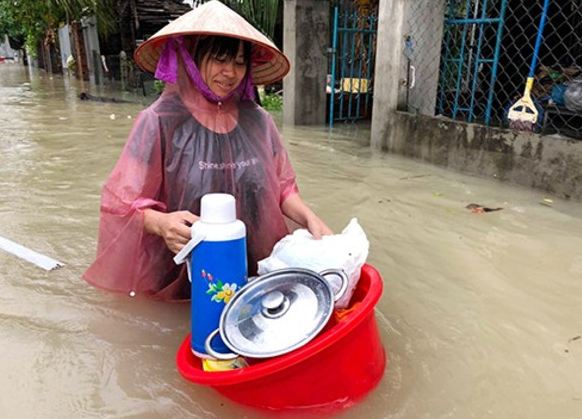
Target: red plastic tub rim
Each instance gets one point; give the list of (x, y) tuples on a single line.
[(275, 365)]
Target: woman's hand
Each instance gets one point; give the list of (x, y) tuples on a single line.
[(317, 227), (173, 227), (294, 208)]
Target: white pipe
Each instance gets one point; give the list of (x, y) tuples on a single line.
[(29, 255)]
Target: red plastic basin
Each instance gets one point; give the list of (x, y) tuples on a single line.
[(332, 372)]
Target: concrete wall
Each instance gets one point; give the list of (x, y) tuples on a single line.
[(93, 52), (387, 70), (551, 163), (423, 23), (305, 41), (5, 49), (65, 45)]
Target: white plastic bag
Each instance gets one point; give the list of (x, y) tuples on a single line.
[(573, 95), (347, 250)]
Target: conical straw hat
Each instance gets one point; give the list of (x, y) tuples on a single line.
[(268, 64)]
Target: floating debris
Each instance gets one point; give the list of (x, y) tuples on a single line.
[(29, 255), (413, 177), (88, 96), (480, 209), (547, 202)]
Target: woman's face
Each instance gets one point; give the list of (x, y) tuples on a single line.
[(223, 74)]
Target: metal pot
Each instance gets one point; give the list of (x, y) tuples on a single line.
[(276, 313)]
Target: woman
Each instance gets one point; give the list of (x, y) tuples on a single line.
[(204, 134)]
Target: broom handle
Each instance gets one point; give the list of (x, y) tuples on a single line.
[(539, 39)]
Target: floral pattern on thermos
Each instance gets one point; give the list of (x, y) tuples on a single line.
[(220, 292)]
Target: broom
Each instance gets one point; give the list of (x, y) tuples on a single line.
[(523, 115)]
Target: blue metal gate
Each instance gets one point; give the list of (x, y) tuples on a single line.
[(470, 58), (350, 85)]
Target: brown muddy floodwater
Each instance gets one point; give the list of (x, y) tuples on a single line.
[(481, 313)]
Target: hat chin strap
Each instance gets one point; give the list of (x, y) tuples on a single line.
[(167, 70)]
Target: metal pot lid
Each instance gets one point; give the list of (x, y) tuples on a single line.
[(276, 313)]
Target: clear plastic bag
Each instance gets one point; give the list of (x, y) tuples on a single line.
[(347, 250)]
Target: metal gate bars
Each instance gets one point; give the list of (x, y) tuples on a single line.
[(350, 84), (470, 58)]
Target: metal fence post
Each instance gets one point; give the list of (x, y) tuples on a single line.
[(333, 65)]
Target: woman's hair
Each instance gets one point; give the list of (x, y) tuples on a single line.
[(221, 46)]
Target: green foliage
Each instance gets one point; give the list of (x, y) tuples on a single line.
[(272, 101), (23, 18), (159, 86), (33, 19), (8, 22), (261, 13)]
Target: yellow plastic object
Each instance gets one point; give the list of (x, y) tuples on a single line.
[(354, 85), (524, 109), (220, 365)]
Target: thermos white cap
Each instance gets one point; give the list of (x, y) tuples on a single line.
[(217, 208)]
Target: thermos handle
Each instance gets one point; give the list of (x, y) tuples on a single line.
[(344, 278), (189, 269), (213, 353), (183, 254)]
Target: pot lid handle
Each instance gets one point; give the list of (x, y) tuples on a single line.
[(344, 278), (213, 353), (272, 300), (275, 304)]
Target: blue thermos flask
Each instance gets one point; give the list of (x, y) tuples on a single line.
[(217, 266)]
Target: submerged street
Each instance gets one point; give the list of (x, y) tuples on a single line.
[(480, 315)]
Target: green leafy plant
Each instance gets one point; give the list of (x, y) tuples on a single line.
[(35, 20), (262, 14), (159, 86), (272, 101)]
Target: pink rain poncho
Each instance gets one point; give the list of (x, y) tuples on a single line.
[(180, 148)]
